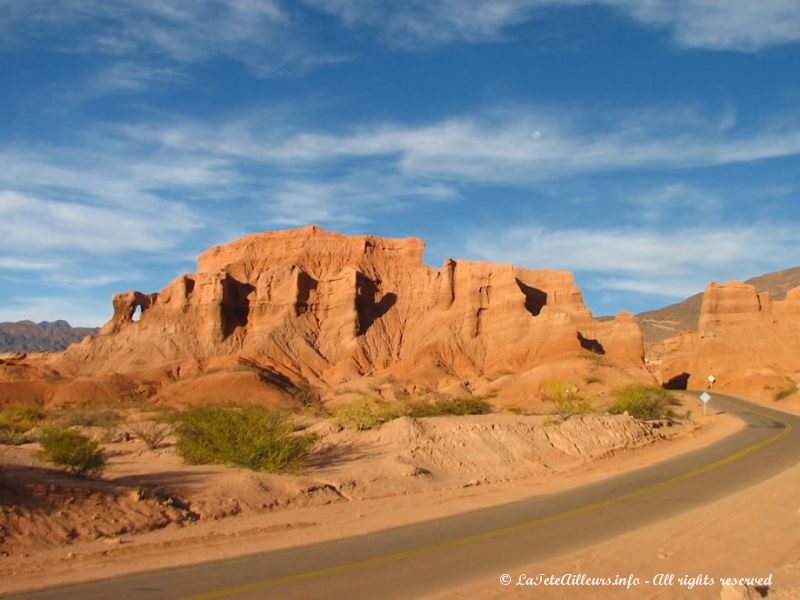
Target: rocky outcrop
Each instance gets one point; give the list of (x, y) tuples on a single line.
[(658, 325), (748, 341), (310, 307)]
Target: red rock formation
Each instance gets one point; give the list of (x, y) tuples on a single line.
[(312, 307), (747, 341)]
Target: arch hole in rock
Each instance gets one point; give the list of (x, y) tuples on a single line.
[(137, 313), (591, 344)]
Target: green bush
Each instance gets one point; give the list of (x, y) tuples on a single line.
[(162, 414), (643, 402), (309, 399), (152, 433), (449, 406), (251, 437), (86, 415), (19, 418), (72, 450), (370, 413), (366, 413), (566, 399), (10, 437)]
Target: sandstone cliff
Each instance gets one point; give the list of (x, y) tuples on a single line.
[(658, 325), (747, 340), (307, 307)]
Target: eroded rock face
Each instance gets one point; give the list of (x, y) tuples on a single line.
[(319, 308), (745, 339)]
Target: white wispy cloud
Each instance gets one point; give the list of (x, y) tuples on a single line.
[(183, 32), (173, 166), (25, 264), (740, 25), (676, 202), (356, 198), (669, 288), (501, 146), (149, 38), (672, 263), (720, 24), (146, 187), (33, 223), (146, 40), (101, 165), (129, 76), (413, 24), (73, 279)]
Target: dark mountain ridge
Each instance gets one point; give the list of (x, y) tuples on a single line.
[(46, 336)]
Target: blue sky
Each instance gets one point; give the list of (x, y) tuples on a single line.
[(649, 146)]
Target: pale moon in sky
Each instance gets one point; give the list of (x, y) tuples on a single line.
[(536, 135)]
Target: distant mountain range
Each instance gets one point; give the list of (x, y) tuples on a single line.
[(671, 320), (47, 336)]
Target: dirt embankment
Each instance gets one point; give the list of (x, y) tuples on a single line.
[(58, 529), (145, 490)]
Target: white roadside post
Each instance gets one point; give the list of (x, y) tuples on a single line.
[(711, 380), (705, 397)]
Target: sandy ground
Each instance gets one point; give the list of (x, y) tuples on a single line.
[(408, 471), (752, 534)]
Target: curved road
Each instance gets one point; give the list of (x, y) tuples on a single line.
[(420, 559)]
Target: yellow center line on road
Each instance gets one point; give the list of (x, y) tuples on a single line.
[(487, 535)]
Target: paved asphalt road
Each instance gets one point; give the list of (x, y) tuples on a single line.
[(410, 561)]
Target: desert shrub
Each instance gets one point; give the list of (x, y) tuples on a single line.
[(449, 406), (72, 450), (86, 415), (152, 433), (310, 400), (163, 414), (566, 399), (19, 418), (366, 413), (643, 402), (133, 399), (789, 390), (251, 437), (9, 437)]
